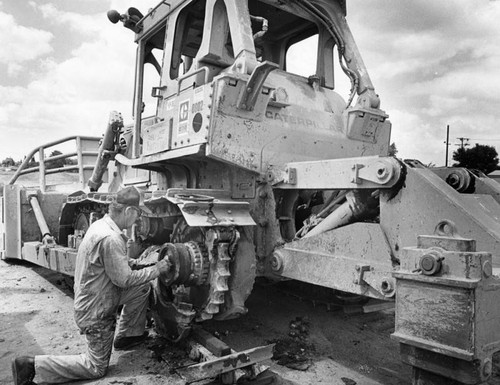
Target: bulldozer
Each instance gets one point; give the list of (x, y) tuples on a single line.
[(247, 169)]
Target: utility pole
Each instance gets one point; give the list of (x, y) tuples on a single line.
[(462, 140), (447, 144)]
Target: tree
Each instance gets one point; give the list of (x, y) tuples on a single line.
[(58, 163), (32, 163), (392, 149), (8, 162), (480, 157)]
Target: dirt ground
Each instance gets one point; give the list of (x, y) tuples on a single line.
[(322, 347)]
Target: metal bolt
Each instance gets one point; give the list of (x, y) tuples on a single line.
[(430, 263)]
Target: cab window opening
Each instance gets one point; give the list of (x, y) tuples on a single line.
[(188, 37)]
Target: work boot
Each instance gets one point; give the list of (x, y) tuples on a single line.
[(125, 343), (23, 370)]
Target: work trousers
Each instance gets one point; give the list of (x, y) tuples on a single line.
[(94, 362)]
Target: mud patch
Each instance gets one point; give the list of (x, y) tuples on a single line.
[(165, 352), (295, 351)]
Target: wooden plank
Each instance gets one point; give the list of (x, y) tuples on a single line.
[(216, 346)]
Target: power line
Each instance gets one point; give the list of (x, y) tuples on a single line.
[(486, 140)]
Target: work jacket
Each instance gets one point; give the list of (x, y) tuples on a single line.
[(102, 272)]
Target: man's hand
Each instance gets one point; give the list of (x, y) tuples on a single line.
[(167, 271), (164, 266)]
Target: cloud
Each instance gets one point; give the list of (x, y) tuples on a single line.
[(73, 96), (21, 44), (433, 64), (84, 24)]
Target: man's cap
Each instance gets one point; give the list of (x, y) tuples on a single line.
[(129, 196)]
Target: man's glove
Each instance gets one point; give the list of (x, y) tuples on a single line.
[(168, 273), (164, 266)]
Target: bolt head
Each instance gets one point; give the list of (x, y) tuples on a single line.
[(430, 263)]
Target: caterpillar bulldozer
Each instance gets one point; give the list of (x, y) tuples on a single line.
[(248, 170)]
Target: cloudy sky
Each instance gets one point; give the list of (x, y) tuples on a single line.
[(64, 67)]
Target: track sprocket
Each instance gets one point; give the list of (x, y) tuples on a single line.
[(222, 273)]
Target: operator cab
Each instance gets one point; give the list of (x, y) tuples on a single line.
[(194, 41)]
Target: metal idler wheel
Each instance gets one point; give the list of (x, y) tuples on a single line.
[(459, 179)]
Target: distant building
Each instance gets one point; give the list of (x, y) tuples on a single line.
[(495, 175)]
